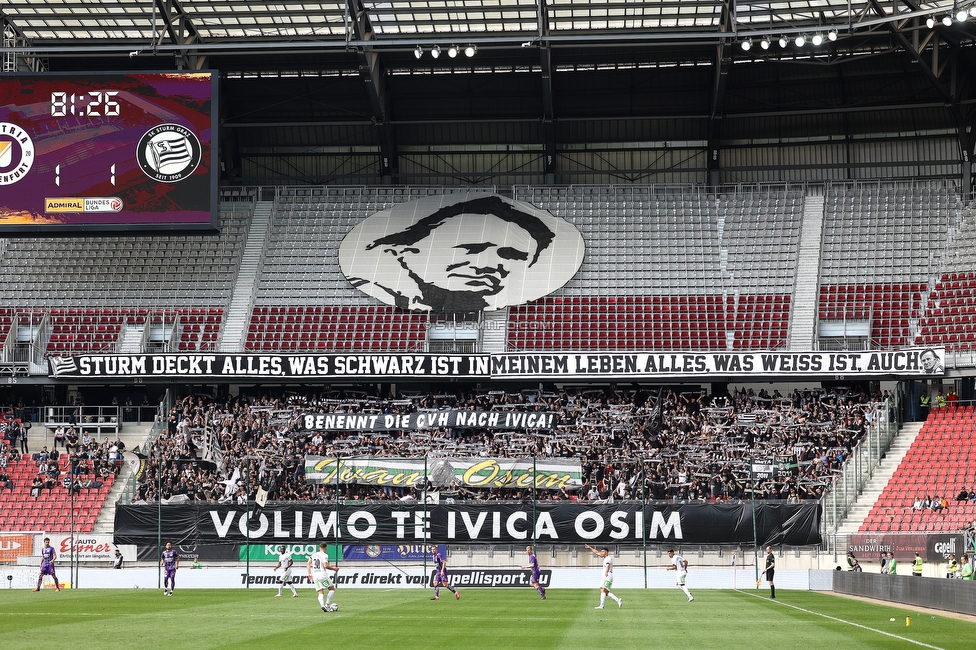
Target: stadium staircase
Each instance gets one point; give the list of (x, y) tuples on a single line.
[(802, 334), (867, 500), (239, 311), (494, 330), (132, 335)]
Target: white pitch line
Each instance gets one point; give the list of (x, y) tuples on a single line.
[(840, 620)]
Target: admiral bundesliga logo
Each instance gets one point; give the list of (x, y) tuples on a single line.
[(16, 153), (168, 153)]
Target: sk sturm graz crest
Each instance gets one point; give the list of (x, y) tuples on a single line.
[(168, 153)]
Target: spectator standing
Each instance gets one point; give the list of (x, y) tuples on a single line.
[(952, 399), (892, 565), (118, 560), (13, 433), (967, 568)]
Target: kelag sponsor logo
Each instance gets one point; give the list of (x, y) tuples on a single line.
[(492, 578)]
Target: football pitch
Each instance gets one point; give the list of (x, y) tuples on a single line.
[(482, 618)]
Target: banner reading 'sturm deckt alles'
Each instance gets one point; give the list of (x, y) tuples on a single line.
[(545, 522), (661, 366)]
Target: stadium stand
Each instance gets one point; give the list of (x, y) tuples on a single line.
[(666, 268), (336, 328), (881, 248), (951, 308), (679, 447), (41, 499), (938, 465), (149, 271)]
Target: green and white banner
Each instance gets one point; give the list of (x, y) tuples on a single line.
[(548, 474)]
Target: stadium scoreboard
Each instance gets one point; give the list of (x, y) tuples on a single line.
[(108, 152)]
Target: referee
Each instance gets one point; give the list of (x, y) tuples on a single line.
[(770, 570)]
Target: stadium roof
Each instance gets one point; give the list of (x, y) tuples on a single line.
[(222, 25), (547, 76)]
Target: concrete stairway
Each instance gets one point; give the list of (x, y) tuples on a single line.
[(239, 310), (866, 500), (803, 309)]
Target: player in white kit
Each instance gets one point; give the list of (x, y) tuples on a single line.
[(606, 581), (285, 563), (318, 573), (680, 565)]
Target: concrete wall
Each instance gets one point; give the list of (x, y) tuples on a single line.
[(937, 593)]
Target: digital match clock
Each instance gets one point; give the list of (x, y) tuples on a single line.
[(108, 152), (95, 103)]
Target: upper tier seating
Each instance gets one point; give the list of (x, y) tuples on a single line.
[(899, 260), (335, 328), (178, 270)]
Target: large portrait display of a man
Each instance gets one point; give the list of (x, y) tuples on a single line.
[(460, 253)]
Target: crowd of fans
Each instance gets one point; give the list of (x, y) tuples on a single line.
[(677, 446)]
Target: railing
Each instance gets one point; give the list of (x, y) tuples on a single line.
[(128, 492), (850, 480), (92, 419)]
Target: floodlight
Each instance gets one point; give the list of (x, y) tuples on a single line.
[(452, 51), (470, 50), (817, 39), (962, 15), (947, 20), (746, 45), (419, 52), (435, 51), (832, 35), (800, 40), (764, 43), (782, 41)]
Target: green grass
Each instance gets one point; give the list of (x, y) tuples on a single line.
[(483, 618)]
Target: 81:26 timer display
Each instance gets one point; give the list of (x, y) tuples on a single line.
[(94, 103)]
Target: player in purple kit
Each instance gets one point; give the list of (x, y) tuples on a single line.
[(440, 577), (48, 556), (536, 573), (170, 562)]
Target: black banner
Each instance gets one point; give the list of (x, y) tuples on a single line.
[(666, 367), (450, 418), (566, 523), (262, 366)]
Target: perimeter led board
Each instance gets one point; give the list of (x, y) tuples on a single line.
[(108, 152)]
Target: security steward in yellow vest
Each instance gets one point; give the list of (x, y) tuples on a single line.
[(917, 566), (952, 567)]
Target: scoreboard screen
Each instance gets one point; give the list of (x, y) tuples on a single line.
[(109, 152)]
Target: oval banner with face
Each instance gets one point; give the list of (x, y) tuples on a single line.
[(460, 253)]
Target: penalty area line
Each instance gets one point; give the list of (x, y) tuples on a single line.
[(840, 620)]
